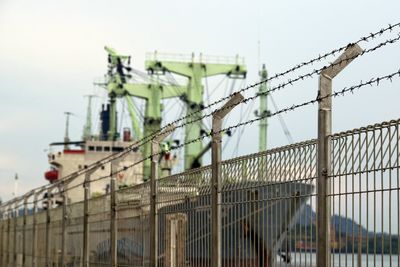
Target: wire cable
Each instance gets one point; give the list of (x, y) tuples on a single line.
[(147, 139)]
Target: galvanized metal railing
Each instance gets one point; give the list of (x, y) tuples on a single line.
[(365, 191), (268, 212)]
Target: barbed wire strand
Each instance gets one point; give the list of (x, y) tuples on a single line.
[(290, 82), (351, 89), (366, 38), (148, 138), (372, 81)]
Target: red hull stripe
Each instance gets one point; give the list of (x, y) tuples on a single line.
[(74, 151)]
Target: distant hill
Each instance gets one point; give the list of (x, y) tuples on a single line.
[(307, 216), (342, 225)]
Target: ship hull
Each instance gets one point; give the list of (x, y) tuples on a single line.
[(256, 217)]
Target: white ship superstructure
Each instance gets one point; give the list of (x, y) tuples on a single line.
[(68, 161)]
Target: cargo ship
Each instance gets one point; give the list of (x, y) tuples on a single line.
[(257, 212)]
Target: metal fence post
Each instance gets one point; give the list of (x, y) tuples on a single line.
[(34, 229), (48, 221), (64, 218), (216, 223), (15, 232), (324, 152), (155, 147), (86, 186), (26, 197), (8, 234), (24, 229), (2, 238), (113, 215)]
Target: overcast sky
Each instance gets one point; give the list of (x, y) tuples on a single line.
[(51, 52)]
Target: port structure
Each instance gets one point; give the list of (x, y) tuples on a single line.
[(153, 93), (194, 69)]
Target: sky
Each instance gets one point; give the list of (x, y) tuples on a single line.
[(52, 51)]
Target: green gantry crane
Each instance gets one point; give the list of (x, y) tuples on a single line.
[(153, 93), (193, 93)]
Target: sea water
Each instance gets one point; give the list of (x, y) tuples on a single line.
[(342, 259)]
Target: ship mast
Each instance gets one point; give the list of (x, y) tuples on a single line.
[(263, 111), (66, 137), (87, 129), (117, 65)]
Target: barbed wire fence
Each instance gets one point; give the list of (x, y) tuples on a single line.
[(14, 221), (148, 138)]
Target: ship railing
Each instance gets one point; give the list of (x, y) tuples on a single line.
[(195, 58)]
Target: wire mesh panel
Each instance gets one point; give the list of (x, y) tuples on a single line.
[(11, 242), (74, 234), (28, 241), (2, 232), (19, 224), (133, 225), (3, 241), (262, 197), (365, 196), (99, 231), (183, 215), (55, 236), (4, 236), (40, 246)]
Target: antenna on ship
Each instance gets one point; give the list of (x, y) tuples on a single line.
[(87, 129), (66, 137)]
